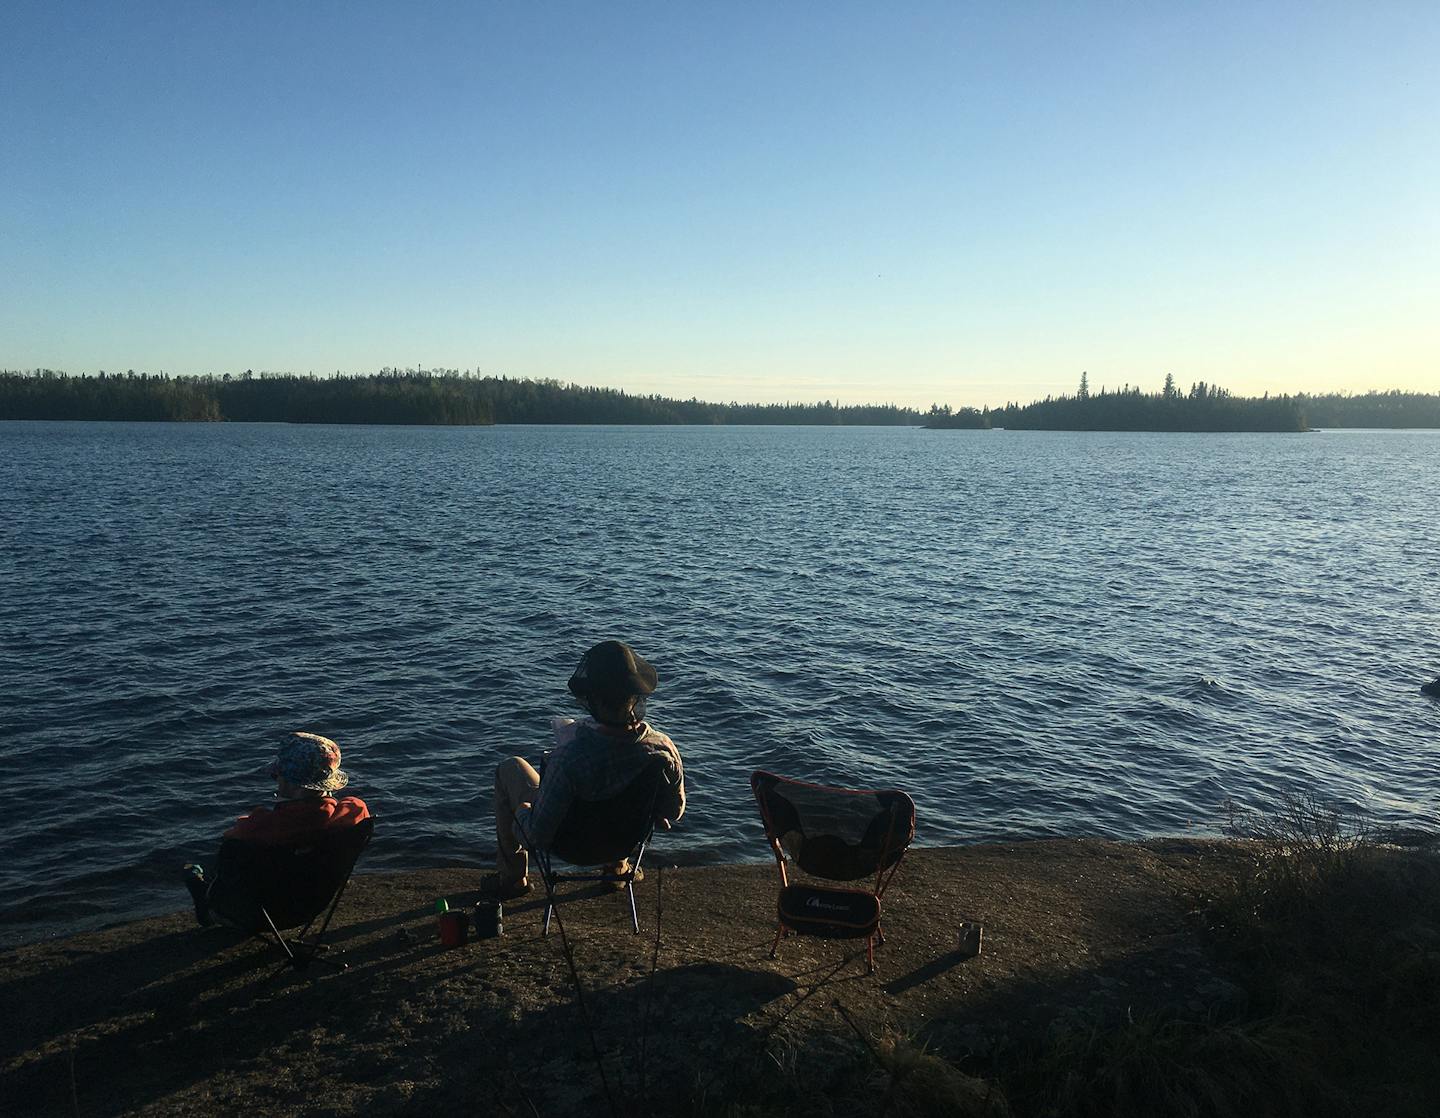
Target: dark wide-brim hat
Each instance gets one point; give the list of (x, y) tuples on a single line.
[(612, 670)]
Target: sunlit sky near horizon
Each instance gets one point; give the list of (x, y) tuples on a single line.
[(907, 202)]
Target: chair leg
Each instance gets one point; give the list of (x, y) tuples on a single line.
[(547, 878), (879, 936), (774, 947), (870, 955), (630, 884), (284, 946), (291, 961), (552, 881)]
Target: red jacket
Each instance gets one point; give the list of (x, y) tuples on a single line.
[(293, 821)]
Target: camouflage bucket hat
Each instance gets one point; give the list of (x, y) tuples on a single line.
[(310, 761)]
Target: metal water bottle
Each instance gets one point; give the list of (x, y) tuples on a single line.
[(489, 918)]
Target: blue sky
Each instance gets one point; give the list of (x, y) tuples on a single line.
[(910, 202)]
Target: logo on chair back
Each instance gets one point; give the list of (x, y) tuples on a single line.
[(816, 902)]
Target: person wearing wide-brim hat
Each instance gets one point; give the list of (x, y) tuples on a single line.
[(307, 776), (592, 759)]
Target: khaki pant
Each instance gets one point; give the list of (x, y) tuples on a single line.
[(516, 783)]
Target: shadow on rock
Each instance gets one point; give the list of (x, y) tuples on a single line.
[(654, 1035)]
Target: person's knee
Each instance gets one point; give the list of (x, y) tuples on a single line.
[(508, 771), (511, 765)]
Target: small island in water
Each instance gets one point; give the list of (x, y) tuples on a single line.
[(449, 396), (1204, 407)]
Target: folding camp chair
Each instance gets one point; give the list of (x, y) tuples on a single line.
[(836, 834), (605, 832), (267, 890)]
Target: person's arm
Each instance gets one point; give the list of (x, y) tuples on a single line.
[(349, 809), (552, 801), (255, 824), (671, 805)]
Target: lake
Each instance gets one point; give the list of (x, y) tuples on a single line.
[(1032, 633)]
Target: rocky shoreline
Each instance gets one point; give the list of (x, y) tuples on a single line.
[(157, 1016)]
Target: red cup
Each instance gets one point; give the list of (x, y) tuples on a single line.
[(453, 929)]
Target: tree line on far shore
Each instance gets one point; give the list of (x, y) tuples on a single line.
[(1204, 407), (449, 396), (391, 396)]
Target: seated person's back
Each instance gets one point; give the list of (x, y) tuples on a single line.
[(307, 774), (593, 759)]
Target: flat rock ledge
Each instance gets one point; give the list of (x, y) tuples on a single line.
[(160, 1017)]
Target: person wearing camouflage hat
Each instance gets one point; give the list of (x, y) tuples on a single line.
[(307, 774)]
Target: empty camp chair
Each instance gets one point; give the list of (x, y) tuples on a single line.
[(268, 890), (836, 834), (605, 832)]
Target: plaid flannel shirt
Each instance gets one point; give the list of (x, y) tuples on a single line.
[(590, 762)]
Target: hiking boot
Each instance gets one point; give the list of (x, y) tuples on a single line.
[(620, 868), (493, 885), (199, 887)]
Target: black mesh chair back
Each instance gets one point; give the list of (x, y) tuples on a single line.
[(599, 831), (835, 834), (266, 890), (605, 833)]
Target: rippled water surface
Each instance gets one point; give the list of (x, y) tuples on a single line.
[(1035, 634)]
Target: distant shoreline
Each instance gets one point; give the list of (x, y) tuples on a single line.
[(419, 398), (639, 423), (1150, 430)]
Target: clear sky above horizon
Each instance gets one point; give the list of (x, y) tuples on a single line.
[(908, 202)]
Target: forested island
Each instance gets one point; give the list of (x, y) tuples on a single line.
[(449, 396), (1204, 407)]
